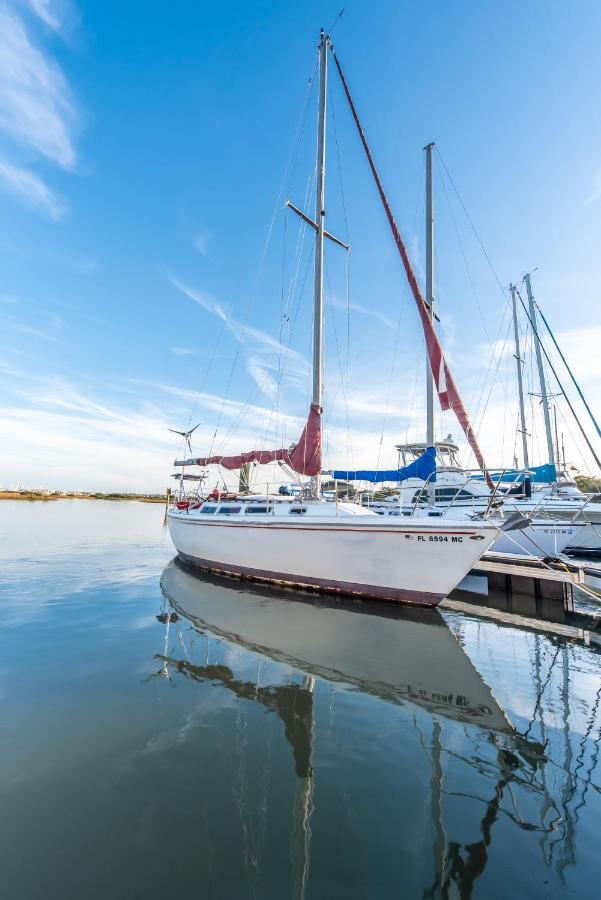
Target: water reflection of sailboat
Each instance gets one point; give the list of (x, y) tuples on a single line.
[(397, 656), (410, 656), (421, 663)]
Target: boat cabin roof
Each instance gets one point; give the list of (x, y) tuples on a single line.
[(276, 506), (418, 448)]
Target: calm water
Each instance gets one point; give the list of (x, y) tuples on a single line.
[(207, 739)]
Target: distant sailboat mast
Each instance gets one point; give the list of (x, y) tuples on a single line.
[(519, 363), (319, 235), (541, 372)]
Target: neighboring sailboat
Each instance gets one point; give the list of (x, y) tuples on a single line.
[(561, 518), (547, 528), (329, 545)]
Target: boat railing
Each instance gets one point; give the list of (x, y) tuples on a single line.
[(420, 494), (496, 499), (589, 498)]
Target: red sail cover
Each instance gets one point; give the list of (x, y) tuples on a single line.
[(304, 457), (448, 393)]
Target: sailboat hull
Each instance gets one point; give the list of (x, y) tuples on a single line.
[(417, 565)]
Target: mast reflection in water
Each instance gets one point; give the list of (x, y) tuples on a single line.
[(255, 743), (408, 770)]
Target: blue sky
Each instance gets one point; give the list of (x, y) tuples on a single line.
[(145, 153)]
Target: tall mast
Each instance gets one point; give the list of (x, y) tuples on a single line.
[(541, 372), (429, 291), (319, 234), (519, 362)]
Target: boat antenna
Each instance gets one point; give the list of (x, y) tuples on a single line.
[(335, 22)]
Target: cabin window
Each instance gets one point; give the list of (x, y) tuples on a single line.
[(256, 510), (298, 510), (229, 510), (446, 493), (208, 509)]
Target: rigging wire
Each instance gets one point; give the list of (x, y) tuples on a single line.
[(492, 381), (347, 273), (563, 359), (461, 247), (419, 205), (275, 408), (473, 227), (256, 390), (572, 410), (291, 156), (338, 354), (390, 378), (483, 387)]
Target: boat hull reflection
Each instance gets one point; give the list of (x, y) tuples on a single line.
[(397, 654)]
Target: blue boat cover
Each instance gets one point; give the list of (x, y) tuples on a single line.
[(546, 474), (423, 467)]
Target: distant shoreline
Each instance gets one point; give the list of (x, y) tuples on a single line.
[(78, 495)]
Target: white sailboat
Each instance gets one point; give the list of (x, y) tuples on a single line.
[(320, 544)]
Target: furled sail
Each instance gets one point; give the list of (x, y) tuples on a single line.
[(423, 467), (303, 457), (448, 393)]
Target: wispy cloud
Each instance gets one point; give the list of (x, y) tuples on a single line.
[(591, 198), (32, 190), (595, 194), (37, 109), (182, 351), (259, 372), (202, 241), (264, 354), (47, 11), (27, 329), (340, 303), (243, 333), (36, 103)]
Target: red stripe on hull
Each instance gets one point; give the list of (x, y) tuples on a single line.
[(212, 523), (369, 591)]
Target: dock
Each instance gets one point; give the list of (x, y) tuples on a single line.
[(534, 594)]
